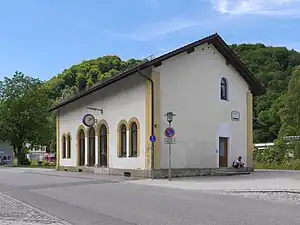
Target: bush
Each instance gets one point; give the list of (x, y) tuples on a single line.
[(25, 162)]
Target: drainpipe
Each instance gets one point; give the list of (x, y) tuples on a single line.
[(152, 120)]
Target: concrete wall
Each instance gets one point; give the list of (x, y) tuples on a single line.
[(190, 87), (120, 101)]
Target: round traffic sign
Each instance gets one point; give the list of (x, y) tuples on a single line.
[(152, 138), (169, 132)]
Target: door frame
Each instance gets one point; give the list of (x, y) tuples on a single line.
[(226, 148)]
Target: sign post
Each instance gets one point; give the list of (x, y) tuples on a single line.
[(169, 139)]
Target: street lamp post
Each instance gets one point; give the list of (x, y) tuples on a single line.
[(170, 116)]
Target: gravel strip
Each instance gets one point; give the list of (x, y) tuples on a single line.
[(288, 196), (14, 212)]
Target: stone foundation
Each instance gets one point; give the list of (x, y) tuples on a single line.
[(158, 173)]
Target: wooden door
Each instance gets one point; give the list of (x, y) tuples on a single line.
[(223, 152), (103, 146)]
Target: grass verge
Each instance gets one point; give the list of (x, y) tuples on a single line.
[(288, 165)]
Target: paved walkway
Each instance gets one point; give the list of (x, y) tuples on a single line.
[(259, 180)]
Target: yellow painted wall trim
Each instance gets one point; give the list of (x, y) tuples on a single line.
[(157, 114), (57, 141), (69, 134), (88, 129), (155, 76), (98, 127), (134, 120), (81, 127), (249, 130), (147, 126), (119, 134)]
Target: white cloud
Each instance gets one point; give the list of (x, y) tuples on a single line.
[(155, 30), (258, 7)]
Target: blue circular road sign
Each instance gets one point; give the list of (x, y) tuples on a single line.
[(152, 138), (169, 132)]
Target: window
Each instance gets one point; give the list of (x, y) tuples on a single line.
[(81, 148), (91, 150), (64, 147), (9, 158), (69, 146), (123, 140), (133, 140), (224, 89)]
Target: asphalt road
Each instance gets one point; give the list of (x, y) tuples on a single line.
[(81, 199)]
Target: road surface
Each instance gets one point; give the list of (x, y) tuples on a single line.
[(39, 197)]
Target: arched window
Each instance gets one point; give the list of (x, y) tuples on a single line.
[(69, 146), (103, 146), (91, 156), (123, 139), (224, 89), (133, 139), (64, 150), (81, 148)]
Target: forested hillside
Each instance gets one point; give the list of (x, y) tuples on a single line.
[(275, 67), (81, 76)]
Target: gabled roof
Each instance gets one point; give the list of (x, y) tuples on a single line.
[(214, 39)]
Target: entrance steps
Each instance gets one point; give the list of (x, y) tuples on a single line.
[(231, 171)]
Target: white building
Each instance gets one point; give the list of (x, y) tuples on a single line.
[(204, 83)]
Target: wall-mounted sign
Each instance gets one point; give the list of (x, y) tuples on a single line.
[(88, 120), (235, 116)]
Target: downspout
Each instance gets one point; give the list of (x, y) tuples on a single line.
[(152, 120)]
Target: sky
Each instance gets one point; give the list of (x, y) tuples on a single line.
[(41, 38)]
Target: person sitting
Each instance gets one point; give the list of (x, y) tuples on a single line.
[(238, 163)]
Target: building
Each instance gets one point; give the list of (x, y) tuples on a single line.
[(204, 83), (6, 154), (35, 153)]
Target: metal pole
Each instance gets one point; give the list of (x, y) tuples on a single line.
[(169, 161), (170, 158)]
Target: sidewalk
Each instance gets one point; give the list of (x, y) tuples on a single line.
[(78, 175), (260, 180)]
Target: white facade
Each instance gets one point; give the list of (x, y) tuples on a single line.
[(120, 101), (190, 87)]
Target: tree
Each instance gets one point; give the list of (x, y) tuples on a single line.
[(24, 116), (290, 113)]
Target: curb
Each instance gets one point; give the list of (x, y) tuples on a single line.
[(292, 191), (271, 170)]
